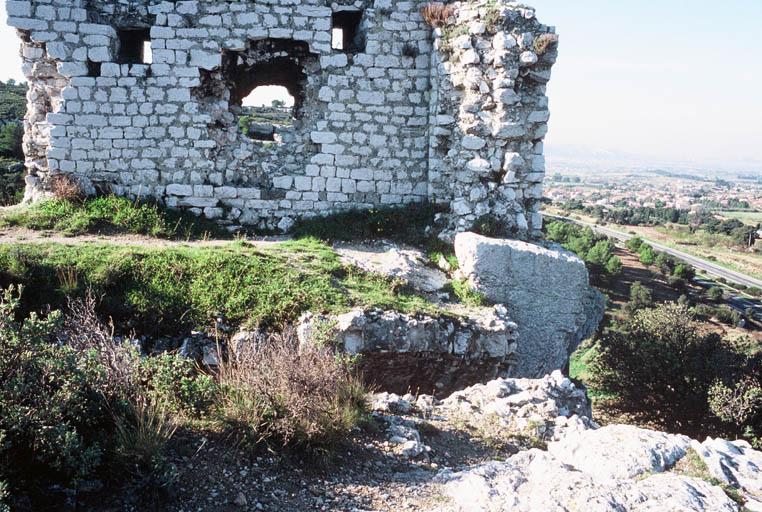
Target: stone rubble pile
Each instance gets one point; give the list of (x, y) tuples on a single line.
[(586, 467)]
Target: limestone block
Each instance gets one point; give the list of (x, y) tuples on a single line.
[(546, 289), (180, 190), (18, 8), (473, 142), (204, 59)]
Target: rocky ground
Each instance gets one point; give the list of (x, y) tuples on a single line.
[(512, 444)]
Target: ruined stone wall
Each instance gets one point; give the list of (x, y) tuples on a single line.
[(391, 122)]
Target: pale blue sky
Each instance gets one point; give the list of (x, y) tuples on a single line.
[(676, 79)]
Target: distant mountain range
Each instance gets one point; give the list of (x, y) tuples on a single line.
[(579, 156)]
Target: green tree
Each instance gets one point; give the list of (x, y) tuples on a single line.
[(664, 263), (600, 253), (684, 271), (663, 361), (640, 298), (715, 294), (11, 139), (634, 243), (614, 266), (647, 255)]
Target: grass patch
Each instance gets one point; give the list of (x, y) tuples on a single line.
[(111, 215), (163, 291), (579, 363), (467, 295)]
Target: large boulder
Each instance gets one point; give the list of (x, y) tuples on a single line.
[(620, 451), (422, 353), (546, 290)]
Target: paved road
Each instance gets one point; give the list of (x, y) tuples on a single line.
[(700, 264)]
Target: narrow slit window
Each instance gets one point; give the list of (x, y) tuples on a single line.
[(346, 34), (135, 46)]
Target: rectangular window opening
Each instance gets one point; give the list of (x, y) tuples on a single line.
[(346, 33), (93, 69), (135, 46)]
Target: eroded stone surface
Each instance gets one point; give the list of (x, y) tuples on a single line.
[(534, 480), (407, 264), (419, 352), (735, 463), (546, 291), (620, 451)]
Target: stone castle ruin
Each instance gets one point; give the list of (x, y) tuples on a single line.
[(390, 108)]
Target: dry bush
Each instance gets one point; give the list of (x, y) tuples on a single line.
[(141, 421), (142, 432), (66, 187), (83, 331), (306, 397), (543, 43), (437, 14)]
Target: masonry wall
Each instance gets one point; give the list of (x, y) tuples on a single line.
[(397, 122)]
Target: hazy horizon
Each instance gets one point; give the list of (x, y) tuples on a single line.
[(640, 79)]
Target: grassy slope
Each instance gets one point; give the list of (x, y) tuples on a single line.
[(110, 215), (161, 291)]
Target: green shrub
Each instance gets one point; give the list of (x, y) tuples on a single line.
[(740, 407), (684, 271), (662, 362), (614, 266), (634, 244), (176, 384), (112, 214), (640, 298), (72, 405), (467, 295), (647, 255), (53, 411), (715, 294), (665, 263), (727, 315)]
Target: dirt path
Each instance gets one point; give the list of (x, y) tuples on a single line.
[(27, 236)]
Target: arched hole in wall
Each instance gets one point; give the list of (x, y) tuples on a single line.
[(346, 31), (266, 109), (271, 70)]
